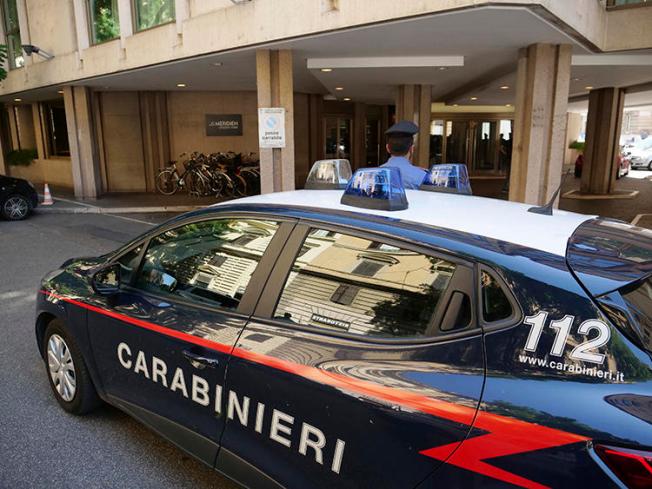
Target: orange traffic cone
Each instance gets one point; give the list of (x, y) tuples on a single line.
[(47, 196)]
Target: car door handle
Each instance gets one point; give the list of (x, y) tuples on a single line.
[(200, 361)]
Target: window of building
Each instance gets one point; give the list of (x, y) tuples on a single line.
[(368, 268), (57, 130), (495, 304), (12, 34), (150, 13), (203, 261), (103, 19), (325, 289)]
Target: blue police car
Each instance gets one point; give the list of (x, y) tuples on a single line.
[(372, 337)]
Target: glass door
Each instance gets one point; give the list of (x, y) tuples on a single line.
[(337, 137)]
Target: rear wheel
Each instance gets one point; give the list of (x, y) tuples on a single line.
[(67, 373), (16, 207)]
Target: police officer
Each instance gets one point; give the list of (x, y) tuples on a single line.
[(400, 145)]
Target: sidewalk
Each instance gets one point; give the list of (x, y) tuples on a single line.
[(123, 203)]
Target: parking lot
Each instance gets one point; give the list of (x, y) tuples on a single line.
[(40, 444)]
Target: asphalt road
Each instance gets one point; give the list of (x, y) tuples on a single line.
[(40, 444)]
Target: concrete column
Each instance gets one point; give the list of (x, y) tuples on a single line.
[(156, 143), (542, 85), (81, 137), (81, 26), (181, 13), (422, 150), (359, 149), (3, 166), (602, 140), (413, 103), (126, 21), (23, 26), (276, 89), (38, 131)]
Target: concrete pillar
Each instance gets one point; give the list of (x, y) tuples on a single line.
[(3, 166), (359, 150), (542, 85), (23, 26), (38, 130), (82, 140), (126, 21), (413, 103), (422, 150), (81, 26), (276, 89), (155, 134), (602, 140)]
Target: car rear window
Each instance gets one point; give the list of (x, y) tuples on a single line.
[(495, 304), (639, 299), (354, 285)]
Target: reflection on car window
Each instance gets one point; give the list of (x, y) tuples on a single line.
[(495, 304), (355, 285), (128, 264), (209, 261)]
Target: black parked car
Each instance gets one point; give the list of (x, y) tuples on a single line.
[(18, 198)]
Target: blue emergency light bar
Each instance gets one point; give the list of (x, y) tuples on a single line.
[(329, 174), (448, 177), (376, 188)]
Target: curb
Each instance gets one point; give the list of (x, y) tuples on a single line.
[(87, 209)]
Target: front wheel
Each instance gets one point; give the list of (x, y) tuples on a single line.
[(167, 181), (16, 208), (69, 378)]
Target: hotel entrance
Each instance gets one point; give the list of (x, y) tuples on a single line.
[(482, 141)]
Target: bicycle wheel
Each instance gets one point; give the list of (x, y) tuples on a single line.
[(196, 184), (167, 181), (223, 185), (239, 186)]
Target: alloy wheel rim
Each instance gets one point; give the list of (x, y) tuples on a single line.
[(61, 368), (16, 208)]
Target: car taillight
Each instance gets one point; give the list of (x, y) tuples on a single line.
[(633, 467)]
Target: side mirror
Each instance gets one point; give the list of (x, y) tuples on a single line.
[(106, 280)]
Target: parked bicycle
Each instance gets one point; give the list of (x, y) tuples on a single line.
[(223, 175)]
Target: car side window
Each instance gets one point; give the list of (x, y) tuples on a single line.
[(129, 263), (495, 304), (209, 262), (350, 284)]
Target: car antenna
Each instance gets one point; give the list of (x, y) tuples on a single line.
[(546, 209)]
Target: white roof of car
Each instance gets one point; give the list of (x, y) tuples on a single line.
[(492, 218)]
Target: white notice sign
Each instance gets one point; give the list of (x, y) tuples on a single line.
[(271, 127)]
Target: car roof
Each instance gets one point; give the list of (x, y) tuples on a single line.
[(491, 218)]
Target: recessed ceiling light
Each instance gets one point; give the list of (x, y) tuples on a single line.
[(217, 63), (588, 87), (346, 99), (508, 105), (18, 100), (443, 68), (339, 89), (60, 92), (505, 87), (474, 98), (181, 85), (326, 70), (456, 105), (576, 79)]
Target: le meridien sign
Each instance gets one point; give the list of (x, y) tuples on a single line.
[(271, 127), (224, 124)]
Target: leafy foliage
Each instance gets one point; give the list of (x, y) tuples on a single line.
[(154, 12), (3, 59), (577, 145), (21, 157), (105, 20)]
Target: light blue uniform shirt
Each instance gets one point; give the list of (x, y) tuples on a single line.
[(411, 175)]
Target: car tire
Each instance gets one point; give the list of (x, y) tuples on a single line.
[(649, 165), (16, 207), (66, 370)]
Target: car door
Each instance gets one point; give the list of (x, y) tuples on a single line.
[(362, 366), (162, 343)]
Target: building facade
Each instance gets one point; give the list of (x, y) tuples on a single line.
[(106, 92)]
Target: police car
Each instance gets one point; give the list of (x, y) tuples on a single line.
[(371, 337)]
